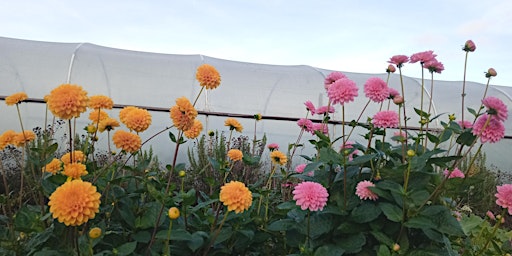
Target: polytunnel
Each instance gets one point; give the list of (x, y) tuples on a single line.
[(154, 81)]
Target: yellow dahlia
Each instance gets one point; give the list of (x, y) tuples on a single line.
[(74, 202), (75, 170), (15, 98), (278, 157), (236, 196), (90, 128), (136, 119), (97, 115), (78, 157), (208, 76), (233, 124), (7, 138), (108, 124), (127, 141), (67, 101), (100, 101), (53, 167), (235, 154), (194, 131), (183, 114), (23, 137), (124, 112)]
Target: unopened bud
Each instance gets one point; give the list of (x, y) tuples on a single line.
[(469, 46), (490, 72), (398, 99), (391, 69), (396, 247)]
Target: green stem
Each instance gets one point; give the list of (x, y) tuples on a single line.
[(166, 249), (464, 84)]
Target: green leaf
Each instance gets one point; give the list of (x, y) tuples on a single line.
[(421, 113), (392, 212), (127, 248), (197, 240), (383, 251), (432, 138), (366, 212), (281, 225), (149, 216), (172, 137), (27, 220), (420, 222), (329, 250), (382, 238), (352, 243), (466, 138), (362, 159), (419, 196)]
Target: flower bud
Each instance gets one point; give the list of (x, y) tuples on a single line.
[(258, 117), (174, 213), (95, 233), (491, 72), (469, 46), (411, 153), (398, 99), (211, 133), (391, 69), (451, 117), (181, 173), (396, 247)]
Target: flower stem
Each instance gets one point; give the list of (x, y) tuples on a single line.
[(216, 234), (464, 84)]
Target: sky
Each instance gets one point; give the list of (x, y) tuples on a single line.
[(351, 36)]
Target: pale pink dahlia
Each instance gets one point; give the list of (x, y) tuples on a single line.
[(310, 195), (422, 57), (398, 60), (363, 191), (273, 146), (323, 109), (310, 107), (342, 91), (392, 93), (456, 173), (376, 89), (305, 124), (332, 77), (488, 129), (496, 108), (434, 66), (465, 125), (504, 197), (300, 168), (320, 127), (385, 119)]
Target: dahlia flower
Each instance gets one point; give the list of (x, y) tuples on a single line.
[(67, 101), (98, 115), (310, 107), (233, 124), (53, 166), (376, 89), (496, 108), (363, 191), (278, 157), (22, 138), (342, 91), (321, 127), (100, 101), (456, 173), (108, 124), (127, 141), (236, 196), (15, 98), (273, 146), (323, 109), (194, 131), (183, 114), (310, 195), (392, 93), (235, 155), (300, 168), (434, 66), (78, 157), (123, 113), (504, 197), (305, 124), (465, 125), (347, 148), (208, 76), (385, 119), (137, 119), (75, 170), (74, 202), (7, 138), (398, 60), (333, 77), (423, 57), (488, 129)]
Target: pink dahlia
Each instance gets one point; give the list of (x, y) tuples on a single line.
[(496, 108), (376, 89), (488, 129), (363, 191), (310, 195), (305, 124), (504, 197), (310, 107), (300, 168), (456, 173), (392, 93), (469, 46), (273, 146), (342, 91), (323, 109), (465, 125), (333, 77), (390, 69), (434, 66), (385, 119), (422, 57), (398, 60), (320, 127), (399, 136)]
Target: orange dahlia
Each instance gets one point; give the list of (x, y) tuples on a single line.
[(183, 114), (97, 115), (7, 138), (78, 157), (23, 137), (127, 141), (108, 124), (208, 76), (75, 170), (278, 157), (233, 124), (194, 131), (15, 98), (67, 101), (124, 112), (100, 101), (235, 154), (136, 119), (53, 167), (236, 196), (74, 202)]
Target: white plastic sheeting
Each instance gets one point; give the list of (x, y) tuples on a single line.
[(156, 80)]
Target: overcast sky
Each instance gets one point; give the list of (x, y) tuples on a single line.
[(352, 36)]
